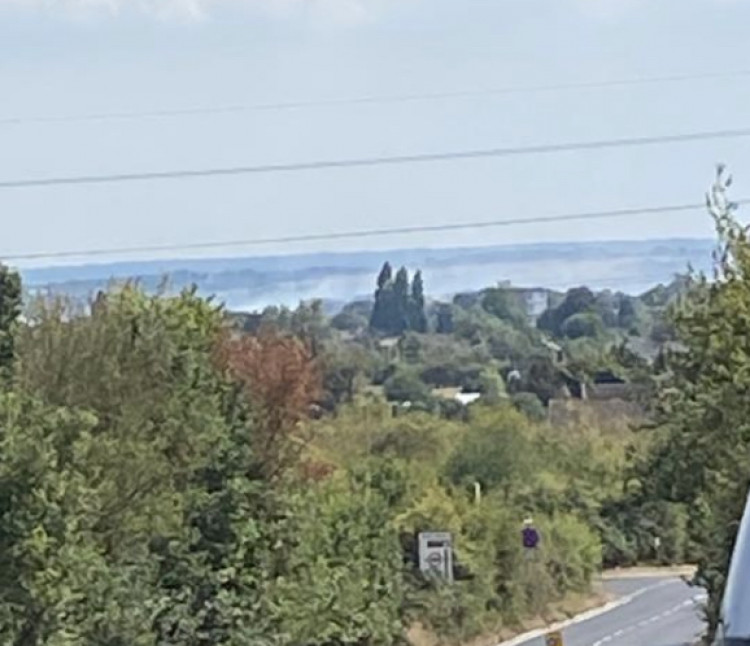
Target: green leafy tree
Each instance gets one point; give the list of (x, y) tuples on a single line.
[(343, 583), (382, 311), (491, 385), (584, 324), (405, 385), (662, 330), (385, 276), (391, 312), (310, 324), (399, 304), (353, 317), (143, 476), (418, 317), (506, 305), (494, 452), (606, 307), (701, 449), (400, 315), (576, 301), (410, 347), (349, 321), (444, 316), (539, 376), (530, 405), (10, 309), (345, 368), (627, 313)]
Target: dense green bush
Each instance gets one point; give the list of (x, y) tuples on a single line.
[(493, 452), (505, 304), (342, 580), (530, 405), (404, 385), (576, 301), (584, 324)]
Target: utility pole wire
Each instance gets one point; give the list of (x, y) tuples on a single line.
[(362, 162), (367, 233), (369, 100)]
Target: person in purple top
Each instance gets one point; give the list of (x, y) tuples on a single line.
[(529, 535)]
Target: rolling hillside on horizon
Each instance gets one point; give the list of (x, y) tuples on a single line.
[(252, 282)]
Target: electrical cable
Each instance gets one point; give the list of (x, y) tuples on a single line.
[(416, 158), (368, 233)]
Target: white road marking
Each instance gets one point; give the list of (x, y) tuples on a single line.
[(667, 613), (586, 616)]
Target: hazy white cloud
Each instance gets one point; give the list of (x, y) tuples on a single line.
[(337, 11)]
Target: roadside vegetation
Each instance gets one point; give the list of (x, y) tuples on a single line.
[(172, 473)]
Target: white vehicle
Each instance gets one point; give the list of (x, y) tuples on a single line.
[(734, 628)]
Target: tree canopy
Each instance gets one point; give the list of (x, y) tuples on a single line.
[(399, 305), (174, 474)]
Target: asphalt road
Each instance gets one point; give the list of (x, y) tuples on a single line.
[(661, 612)]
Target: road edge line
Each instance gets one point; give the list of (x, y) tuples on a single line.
[(584, 616)]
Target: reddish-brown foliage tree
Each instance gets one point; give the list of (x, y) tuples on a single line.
[(281, 380)]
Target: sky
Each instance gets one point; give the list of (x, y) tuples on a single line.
[(65, 58)]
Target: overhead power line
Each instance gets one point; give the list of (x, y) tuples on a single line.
[(417, 158), (361, 234), (371, 100)]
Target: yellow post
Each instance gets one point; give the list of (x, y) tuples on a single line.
[(554, 639)]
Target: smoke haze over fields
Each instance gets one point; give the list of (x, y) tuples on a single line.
[(253, 282)]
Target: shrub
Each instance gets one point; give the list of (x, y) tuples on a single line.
[(585, 324), (530, 405), (405, 385)]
